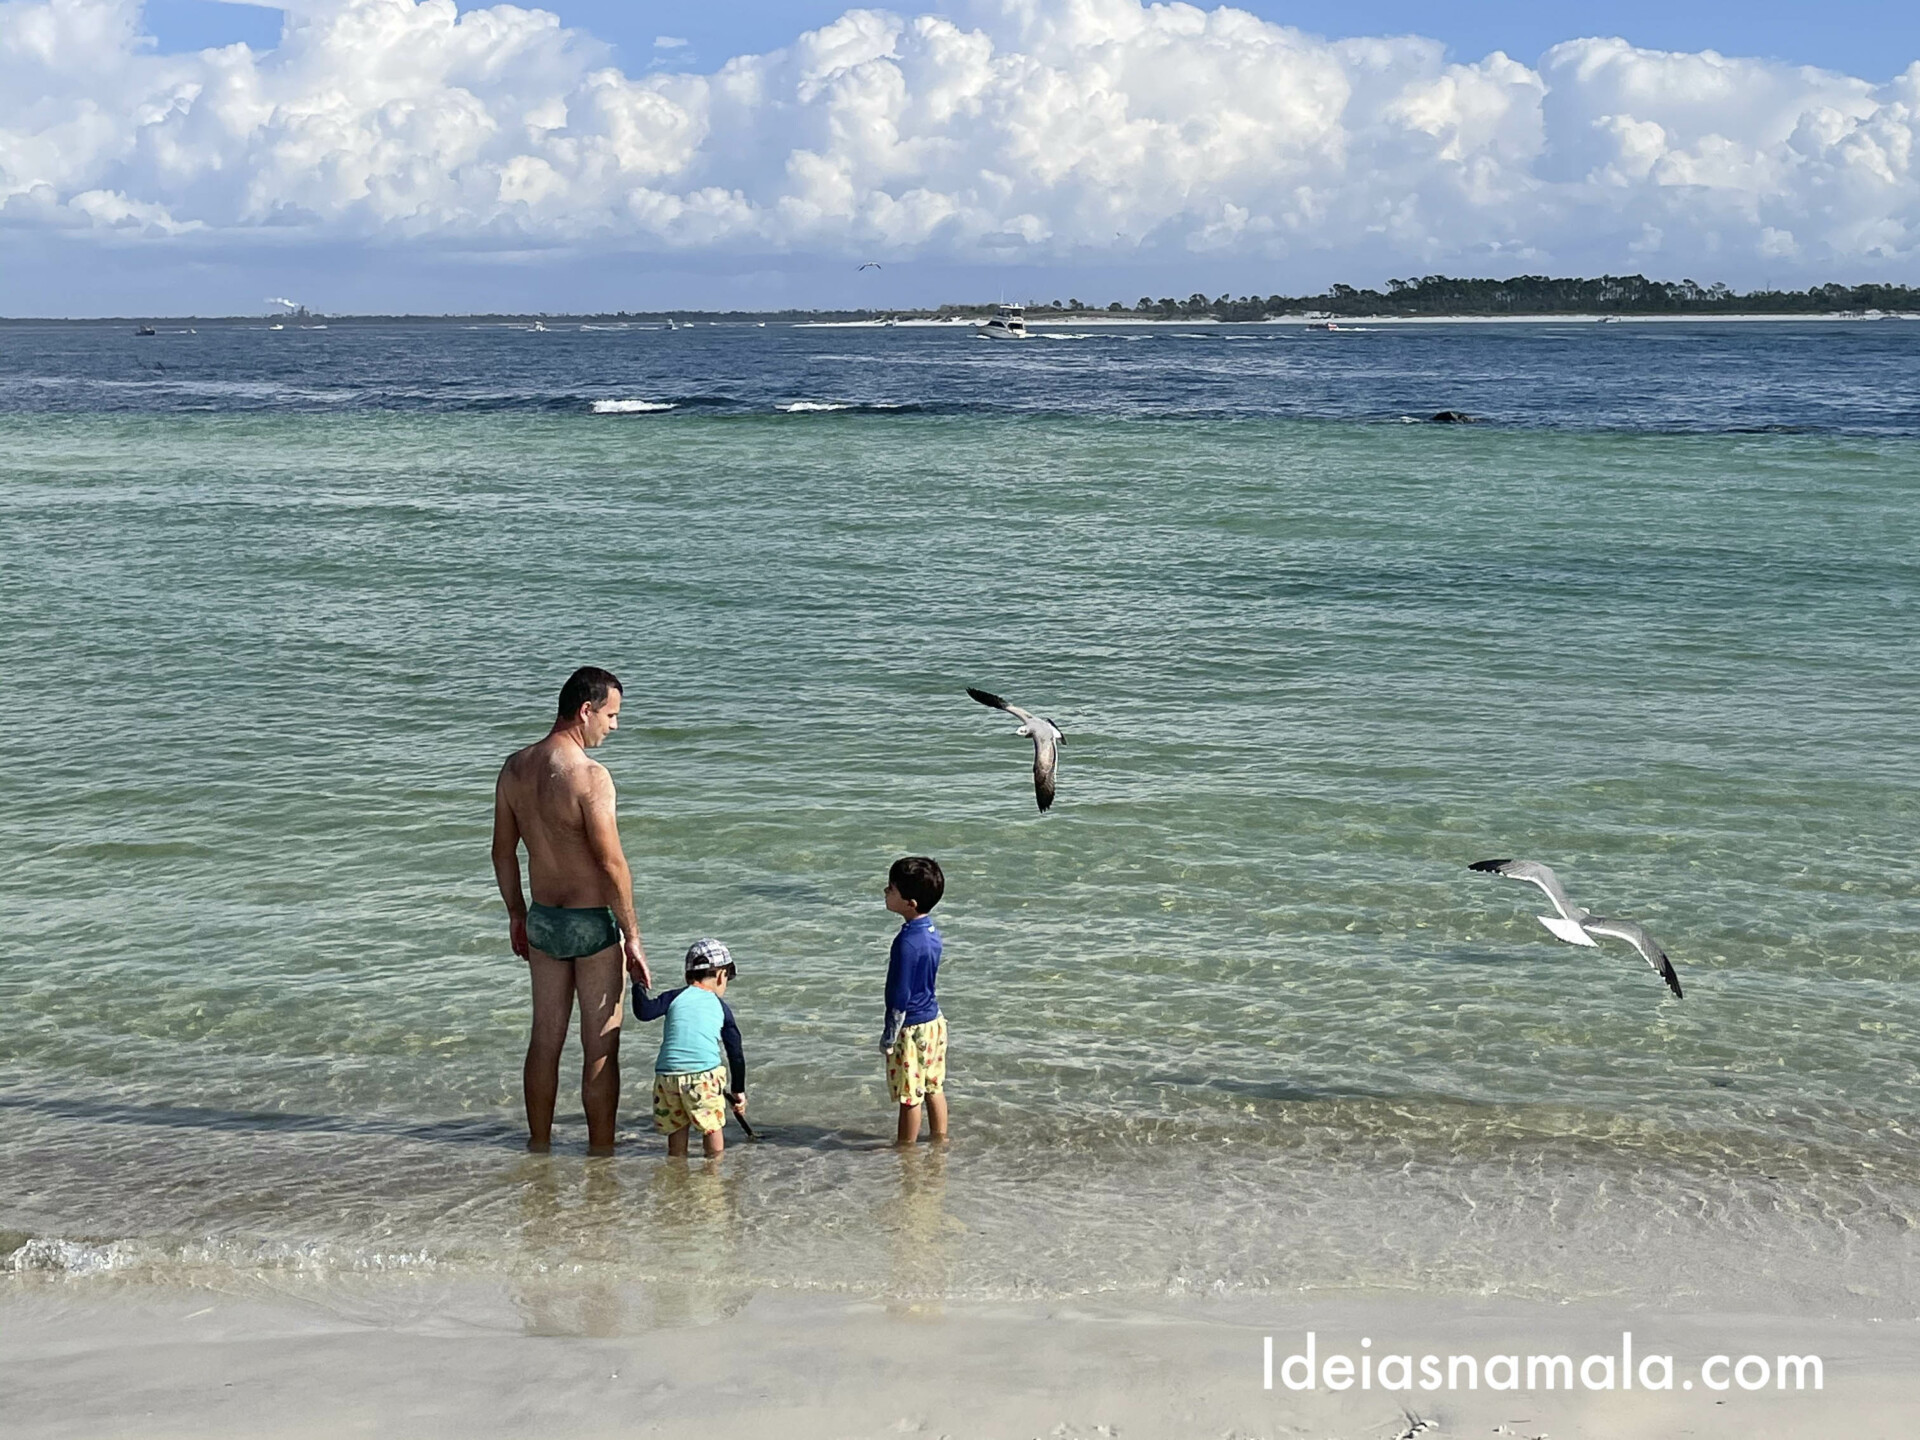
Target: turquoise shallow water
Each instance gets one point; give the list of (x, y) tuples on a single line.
[(1234, 1017)]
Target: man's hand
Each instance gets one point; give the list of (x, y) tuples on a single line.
[(637, 961), (517, 935)]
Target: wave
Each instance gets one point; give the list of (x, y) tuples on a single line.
[(82, 1258), (864, 407), (633, 407)]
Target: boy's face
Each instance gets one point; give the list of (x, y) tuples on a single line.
[(900, 905)]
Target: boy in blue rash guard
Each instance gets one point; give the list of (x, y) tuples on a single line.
[(915, 1040), (690, 1085)]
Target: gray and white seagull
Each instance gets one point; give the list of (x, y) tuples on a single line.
[(1577, 925), (1046, 739)]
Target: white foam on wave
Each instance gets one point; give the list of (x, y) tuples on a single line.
[(631, 407), (79, 1258), (808, 407), (70, 1257)]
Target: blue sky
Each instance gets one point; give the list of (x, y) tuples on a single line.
[(1873, 39), (383, 155)]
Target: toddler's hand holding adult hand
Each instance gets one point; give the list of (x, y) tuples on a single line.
[(637, 961)]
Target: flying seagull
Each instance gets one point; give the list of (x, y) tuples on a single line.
[(1046, 739), (870, 265), (1578, 926)]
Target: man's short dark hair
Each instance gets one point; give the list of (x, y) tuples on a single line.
[(918, 878), (587, 686)]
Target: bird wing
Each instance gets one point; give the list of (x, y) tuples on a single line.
[(1535, 873), (986, 697), (1636, 936), (1046, 760)]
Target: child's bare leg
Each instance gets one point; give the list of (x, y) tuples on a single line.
[(712, 1142), (909, 1128), (937, 1115), (677, 1143)]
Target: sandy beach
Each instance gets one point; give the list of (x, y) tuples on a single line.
[(565, 1356)]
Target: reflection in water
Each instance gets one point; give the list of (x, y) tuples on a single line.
[(918, 1231), (692, 1220), (575, 1231)]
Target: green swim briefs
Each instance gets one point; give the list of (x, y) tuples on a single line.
[(569, 932)]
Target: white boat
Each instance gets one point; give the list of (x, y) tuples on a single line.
[(1009, 322)]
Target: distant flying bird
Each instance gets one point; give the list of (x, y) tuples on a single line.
[(870, 265), (1046, 739), (1577, 925)]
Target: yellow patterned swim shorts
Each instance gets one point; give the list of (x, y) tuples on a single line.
[(917, 1063), (690, 1097)]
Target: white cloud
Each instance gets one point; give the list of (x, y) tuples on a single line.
[(1051, 131)]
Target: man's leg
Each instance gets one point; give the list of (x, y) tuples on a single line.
[(937, 1115), (600, 982), (908, 1130), (552, 1009)]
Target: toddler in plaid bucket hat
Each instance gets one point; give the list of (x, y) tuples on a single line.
[(700, 1046)]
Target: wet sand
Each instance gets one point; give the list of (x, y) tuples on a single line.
[(565, 1356)]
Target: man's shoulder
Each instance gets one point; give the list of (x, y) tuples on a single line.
[(517, 761), (592, 777)]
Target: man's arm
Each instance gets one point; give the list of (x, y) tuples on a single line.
[(506, 866), (603, 843)]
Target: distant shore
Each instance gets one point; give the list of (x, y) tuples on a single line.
[(877, 320)]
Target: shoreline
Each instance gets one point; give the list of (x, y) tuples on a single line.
[(571, 1355)]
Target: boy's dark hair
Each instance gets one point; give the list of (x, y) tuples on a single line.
[(918, 878), (587, 686)]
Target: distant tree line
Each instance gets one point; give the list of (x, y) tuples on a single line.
[(1520, 295)]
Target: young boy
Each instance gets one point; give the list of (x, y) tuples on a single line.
[(915, 1041), (690, 1078)]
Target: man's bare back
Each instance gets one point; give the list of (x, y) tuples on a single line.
[(581, 933)]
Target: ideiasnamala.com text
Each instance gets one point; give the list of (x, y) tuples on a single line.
[(1313, 1368)]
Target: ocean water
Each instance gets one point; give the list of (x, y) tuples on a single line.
[(1234, 1018)]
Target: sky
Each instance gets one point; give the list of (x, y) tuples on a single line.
[(192, 156)]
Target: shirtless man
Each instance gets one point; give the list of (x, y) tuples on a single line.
[(581, 932)]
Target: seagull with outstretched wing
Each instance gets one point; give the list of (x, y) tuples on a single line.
[(1046, 739), (1577, 925)]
